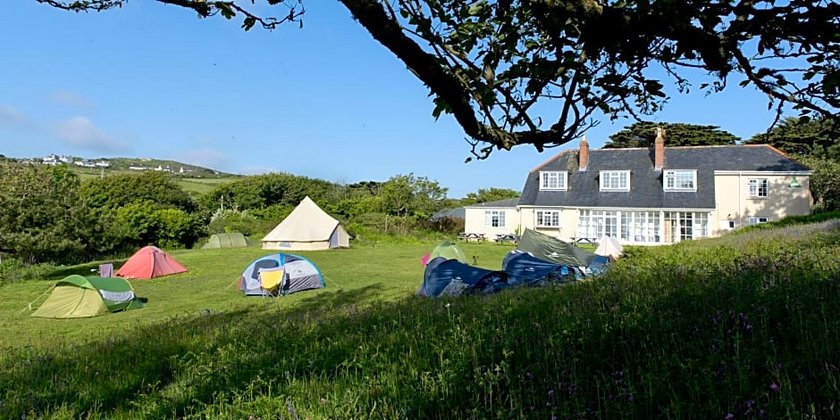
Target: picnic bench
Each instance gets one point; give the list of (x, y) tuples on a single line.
[(582, 239), (506, 237), (472, 237)]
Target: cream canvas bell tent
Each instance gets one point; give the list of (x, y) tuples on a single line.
[(307, 228)]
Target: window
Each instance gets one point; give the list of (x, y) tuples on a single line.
[(640, 226), (615, 180), (757, 220), (553, 180), (681, 180), (758, 187), (548, 218), (680, 225), (494, 218), (594, 224)]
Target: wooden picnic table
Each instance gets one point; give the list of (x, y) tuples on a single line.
[(468, 236)]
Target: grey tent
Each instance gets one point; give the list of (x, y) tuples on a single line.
[(226, 240), (548, 248)]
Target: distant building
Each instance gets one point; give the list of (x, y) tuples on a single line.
[(103, 164)]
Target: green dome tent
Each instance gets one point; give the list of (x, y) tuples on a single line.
[(446, 250), (449, 251), (226, 240), (80, 297)]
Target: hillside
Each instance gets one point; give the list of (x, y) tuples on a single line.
[(118, 165)]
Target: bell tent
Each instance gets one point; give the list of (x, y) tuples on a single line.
[(609, 247), (226, 240), (307, 228), (149, 262), (280, 274), (81, 297)]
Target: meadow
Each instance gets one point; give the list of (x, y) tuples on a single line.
[(743, 326)]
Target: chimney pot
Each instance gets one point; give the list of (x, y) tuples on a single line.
[(583, 155), (659, 149)]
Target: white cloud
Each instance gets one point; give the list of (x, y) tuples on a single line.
[(71, 99), (80, 131), (11, 117), (205, 157)]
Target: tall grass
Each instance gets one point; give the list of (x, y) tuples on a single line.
[(746, 326)]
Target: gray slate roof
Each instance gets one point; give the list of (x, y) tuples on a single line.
[(510, 202), (456, 213), (646, 183)]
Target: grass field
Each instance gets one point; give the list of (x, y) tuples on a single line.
[(190, 185), (383, 272), (744, 326)]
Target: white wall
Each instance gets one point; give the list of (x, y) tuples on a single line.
[(474, 221)]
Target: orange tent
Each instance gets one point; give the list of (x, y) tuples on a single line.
[(150, 262)]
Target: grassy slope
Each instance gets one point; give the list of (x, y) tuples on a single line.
[(190, 185), (747, 325)]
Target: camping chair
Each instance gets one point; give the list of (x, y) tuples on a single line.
[(106, 270), (271, 279)]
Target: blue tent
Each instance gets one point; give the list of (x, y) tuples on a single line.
[(453, 278), (280, 274), (527, 270)]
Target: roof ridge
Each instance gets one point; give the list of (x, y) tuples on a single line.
[(551, 159)]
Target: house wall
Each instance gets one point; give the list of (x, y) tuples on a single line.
[(474, 221), (568, 222), (733, 203)]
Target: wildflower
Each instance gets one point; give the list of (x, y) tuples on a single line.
[(774, 386), (550, 393), (729, 416)]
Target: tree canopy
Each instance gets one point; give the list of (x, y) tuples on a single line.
[(812, 137), (641, 134), (490, 194), (490, 63)]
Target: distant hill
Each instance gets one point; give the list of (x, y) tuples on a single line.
[(122, 165)]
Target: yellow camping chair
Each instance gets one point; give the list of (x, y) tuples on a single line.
[(271, 278)]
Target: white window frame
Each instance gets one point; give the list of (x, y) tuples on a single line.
[(552, 215), (607, 177), (754, 187), (499, 216), (754, 220), (561, 180), (673, 174)]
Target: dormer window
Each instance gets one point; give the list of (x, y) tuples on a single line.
[(680, 180), (553, 180), (615, 180)]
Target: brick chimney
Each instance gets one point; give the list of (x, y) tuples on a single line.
[(583, 155), (659, 149)]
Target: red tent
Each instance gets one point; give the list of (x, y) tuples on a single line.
[(150, 262)]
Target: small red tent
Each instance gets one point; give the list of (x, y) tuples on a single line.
[(150, 262)]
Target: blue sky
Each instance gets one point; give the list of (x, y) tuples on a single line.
[(327, 101)]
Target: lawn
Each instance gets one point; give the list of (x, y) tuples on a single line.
[(371, 272), (744, 326)]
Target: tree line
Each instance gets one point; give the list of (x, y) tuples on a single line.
[(48, 214)]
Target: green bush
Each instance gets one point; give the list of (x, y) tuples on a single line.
[(13, 270)]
